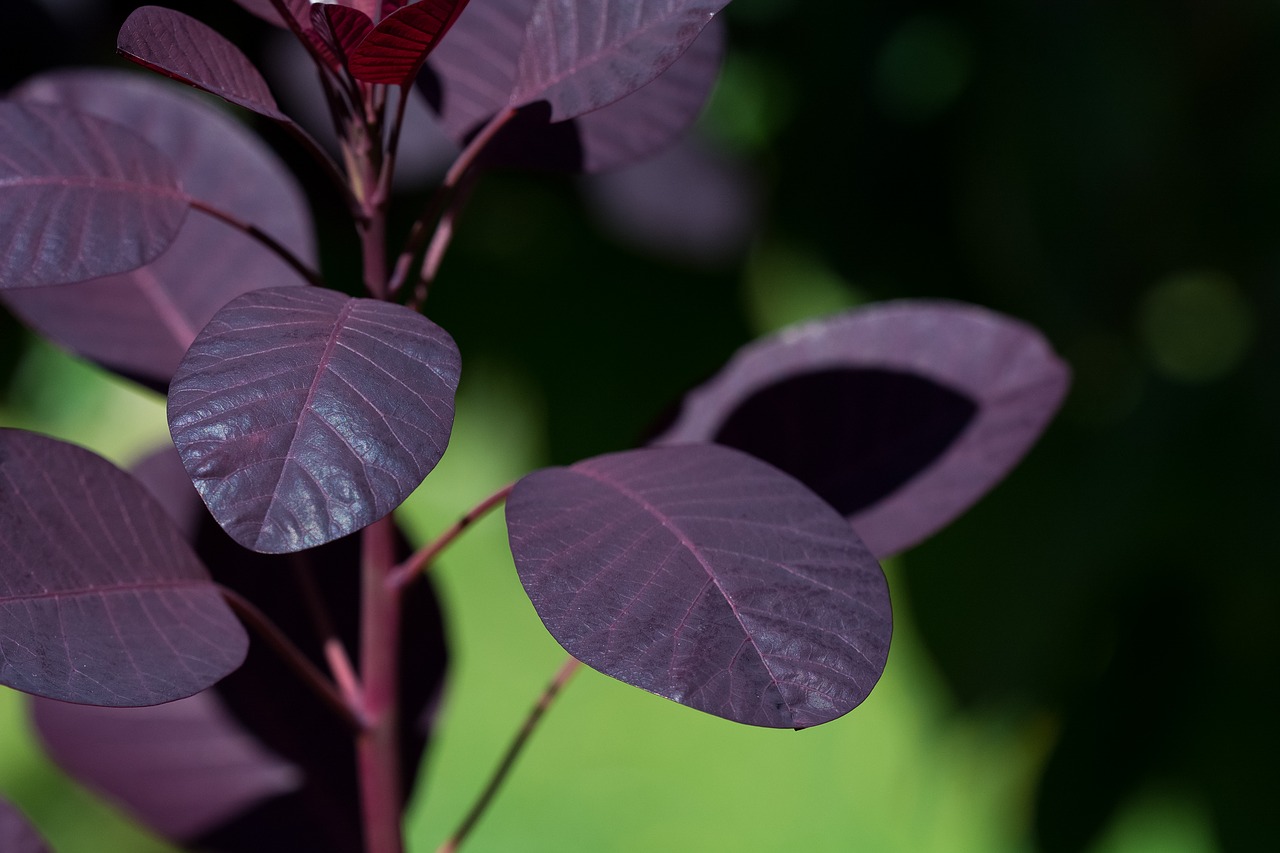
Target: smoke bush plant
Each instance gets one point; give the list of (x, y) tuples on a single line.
[(730, 565)]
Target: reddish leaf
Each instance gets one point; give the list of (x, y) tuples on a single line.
[(80, 197), (340, 28), (706, 576), (181, 47), (140, 323), (902, 414), (101, 601), (182, 768), (303, 415), (398, 45), (582, 56), (17, 835)]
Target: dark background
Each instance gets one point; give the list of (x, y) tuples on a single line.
[(1108, 172)]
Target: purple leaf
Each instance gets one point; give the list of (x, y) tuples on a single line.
[(183, 768), (706, 576), (79, 197), (101, 601), (398, 45), (322, 815), (582, 56), (17, 835), (901, 415), (340, 28), (303, 415), (476, 69), (181, 47), (140, 323)]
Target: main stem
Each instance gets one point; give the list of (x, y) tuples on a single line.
[(377, 745)]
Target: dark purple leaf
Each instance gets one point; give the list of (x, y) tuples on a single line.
[(706, 576), (582, 56), (181, 47), (101, 601), (183, 768), (322, 815), (303, 415), (340, 28), (79, 197), (398, 45), (901, 415), (17, 835), (476, 68), (140, 323)]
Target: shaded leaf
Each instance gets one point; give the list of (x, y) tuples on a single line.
[(140, 323), (182, 768), (476, 70), (706, 576), (398, 45), (181, 47), (17, 835), (101, 601), (340, 28), (303, 415), (902, 415), (323, 814), (582, 56), (79, 197)]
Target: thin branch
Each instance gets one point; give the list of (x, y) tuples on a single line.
[(443, 198), (335, 653), (422, 558), (302, 666), (566, 671), (296, 263)]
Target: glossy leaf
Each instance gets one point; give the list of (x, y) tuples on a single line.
[(140, 323), (182, 768), (706, 576), (398, 45), (475, 71), (303, 415), (17, 835), (79, 197), (101, 601), (582, 56), (902, 415), (181, 47)]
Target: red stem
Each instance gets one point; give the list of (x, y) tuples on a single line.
[(377, 746), (421, 559)]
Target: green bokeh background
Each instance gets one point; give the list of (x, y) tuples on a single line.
[(1081, 663)]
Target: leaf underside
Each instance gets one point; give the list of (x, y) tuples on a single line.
[(140, 323), (303, 415), (101, 601), (901, 414), (183, 48), (706, 576), (398, 45), (79, 197)]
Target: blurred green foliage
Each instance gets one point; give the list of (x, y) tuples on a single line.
[(1083, 662)]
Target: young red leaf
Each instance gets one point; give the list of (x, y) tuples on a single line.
[(706, 576), (181, 47), (80, 197), (140, 323), (303, 415), (101, 600), (582, 56), (398, 45), (16, 834), (182, 768), (902, 415), (340, 28)]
